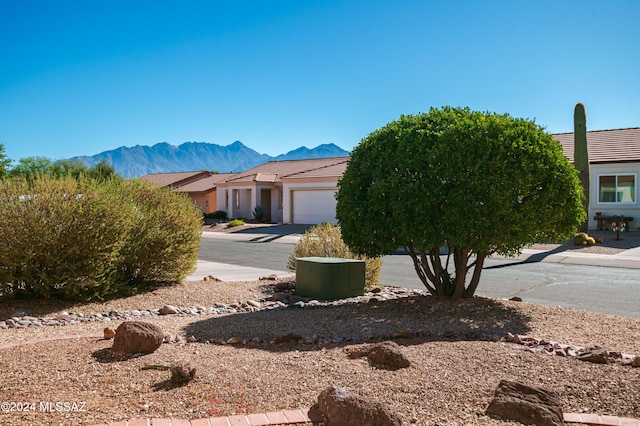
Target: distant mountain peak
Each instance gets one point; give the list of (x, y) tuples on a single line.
[(163, 157)]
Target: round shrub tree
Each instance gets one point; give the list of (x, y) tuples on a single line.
[(468, 182), (325, 240)]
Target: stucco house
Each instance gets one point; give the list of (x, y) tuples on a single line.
[(303, 191), (290, 191), (614, 158), (200, 186)]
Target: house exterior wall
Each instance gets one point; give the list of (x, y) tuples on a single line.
[(249, 197), (629, 209), (291, 185), (206, 201)]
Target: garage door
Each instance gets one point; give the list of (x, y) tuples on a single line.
[(313, 207)]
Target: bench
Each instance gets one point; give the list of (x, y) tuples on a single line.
[(608, 219)]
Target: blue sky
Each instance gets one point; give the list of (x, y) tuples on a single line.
[(82, 77)]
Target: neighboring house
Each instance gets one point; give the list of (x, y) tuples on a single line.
[(199, 186), (303, 191), (290, 191), (614, 158)]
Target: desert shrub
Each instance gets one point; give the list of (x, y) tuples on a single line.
[(258, 213), (163, 239), (583, 239), (88, 240), (217, 215), (235, 222), (325, 240)]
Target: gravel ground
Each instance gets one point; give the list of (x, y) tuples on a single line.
[(455, 365)]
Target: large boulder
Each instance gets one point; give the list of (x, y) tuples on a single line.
[(526, 404), (340, 407), (133, 337), (388, 355)]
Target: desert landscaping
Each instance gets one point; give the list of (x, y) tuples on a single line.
[(252, 354)]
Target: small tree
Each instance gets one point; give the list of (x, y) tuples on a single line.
[(474, 183), (5, 163), (31, 168)]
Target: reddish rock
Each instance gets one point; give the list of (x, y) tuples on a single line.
[(134, 337), (388, 354), (597, 355), (340, 407), (288, 338), (526, 404), (109, 333)]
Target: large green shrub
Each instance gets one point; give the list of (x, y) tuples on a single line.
[(85, 240), (164, 236), (474, 182), (325, 240)]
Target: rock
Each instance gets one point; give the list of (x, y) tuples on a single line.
[(597, 355), (272, 277), (254, 303), (169, 310), (182, 372), (636, 361), (403, 334), (288, 338), (388, 354), (134, 337), (284, 285), (338, 406), (109, 333), (279, 297), (234, 340), (525, 404), (516, 299), (192, 339)]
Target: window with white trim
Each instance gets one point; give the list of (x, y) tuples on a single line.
[(617, 188)]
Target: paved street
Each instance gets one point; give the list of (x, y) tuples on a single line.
[(611, 290)]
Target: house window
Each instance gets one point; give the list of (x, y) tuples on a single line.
[(226, 199), (280, 195), (617, 188), (237, 193)]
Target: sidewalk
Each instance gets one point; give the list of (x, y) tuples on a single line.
[(629, 259)]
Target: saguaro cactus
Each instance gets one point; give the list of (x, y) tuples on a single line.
[(581, 155)]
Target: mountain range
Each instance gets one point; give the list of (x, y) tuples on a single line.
[(163, 157)]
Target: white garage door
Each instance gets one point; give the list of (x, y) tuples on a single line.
[(311, 207)]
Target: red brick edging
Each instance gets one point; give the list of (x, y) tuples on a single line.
[(289, 417), (296, 417), (595, 420)]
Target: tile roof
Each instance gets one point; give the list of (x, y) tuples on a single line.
[(606, 146), (334, 170), (274, 171), (172, 179), (205, 184)]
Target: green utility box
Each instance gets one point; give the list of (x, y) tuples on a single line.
[(329, 278)]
